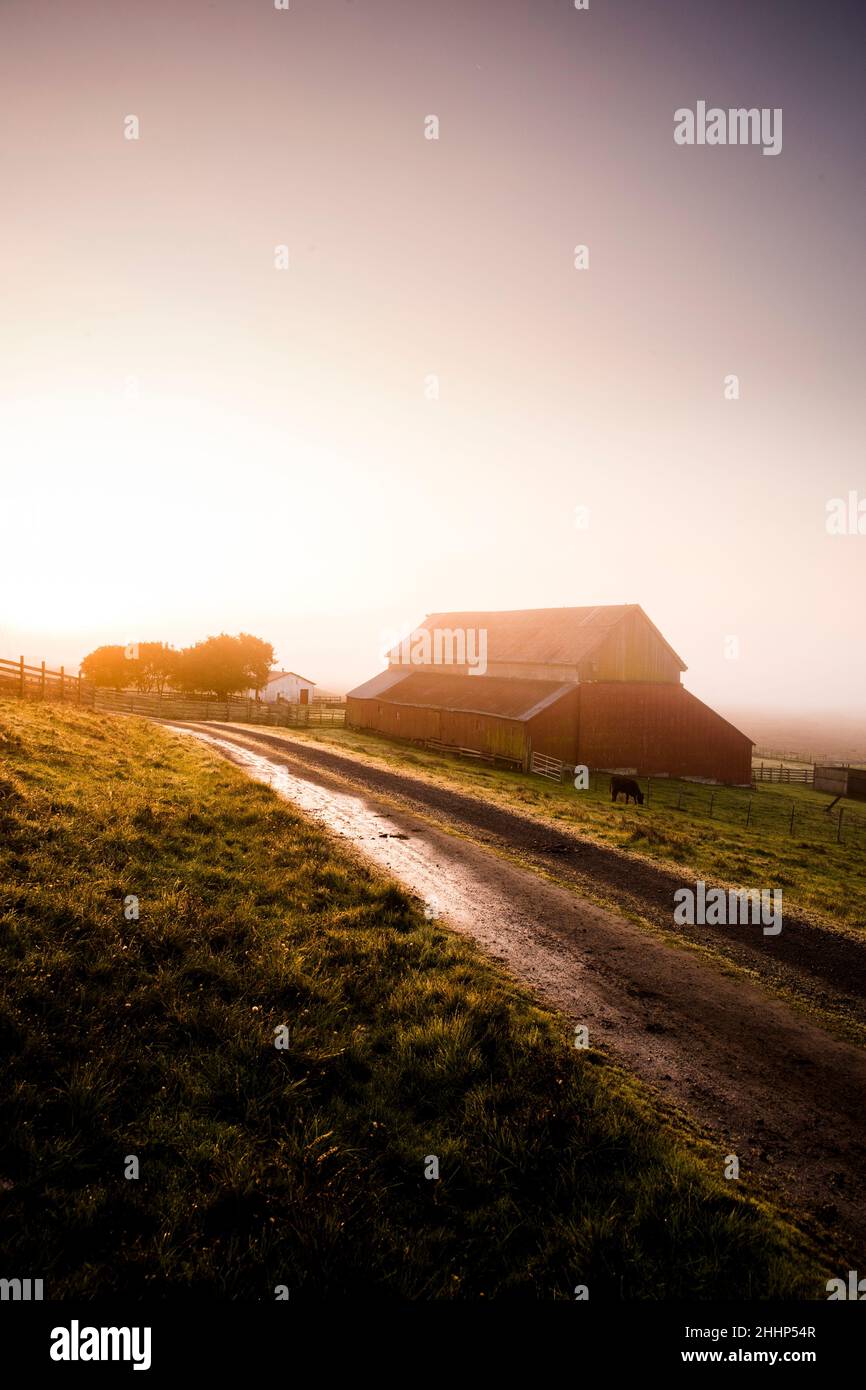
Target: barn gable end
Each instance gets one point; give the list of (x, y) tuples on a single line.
[(605, 642)]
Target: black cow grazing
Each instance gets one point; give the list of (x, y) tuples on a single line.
[(629, 786)]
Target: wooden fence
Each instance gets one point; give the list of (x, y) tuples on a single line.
[(170, 705), (42, 683), (805, 776), (436, 746), (544, 766), (39, 682)]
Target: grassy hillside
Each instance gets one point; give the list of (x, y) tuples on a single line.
[(305, 1167), (676, 826)]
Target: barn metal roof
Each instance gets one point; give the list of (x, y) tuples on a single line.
[(562, 636), (376, 685), (498, 695)]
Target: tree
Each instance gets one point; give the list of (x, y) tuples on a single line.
[(107, 666), (155, 667), (218, 666), (142, 665), (224, 665)]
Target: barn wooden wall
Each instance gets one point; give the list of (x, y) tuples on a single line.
[(492, 734), (632, 652), (554, 730), (659, 728)]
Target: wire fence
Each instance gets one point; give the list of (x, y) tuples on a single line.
[(755, 810), (758, 811)]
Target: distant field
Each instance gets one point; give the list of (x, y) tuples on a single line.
[(830, 736), (815, 872), (154, 1038)]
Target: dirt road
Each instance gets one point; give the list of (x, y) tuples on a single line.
[(767, 1084)]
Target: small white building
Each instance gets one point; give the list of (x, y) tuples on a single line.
[(287, 686)]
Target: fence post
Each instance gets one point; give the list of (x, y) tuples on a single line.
[(42, 683), (712, 801), (21, 669), (62, 685), (839, 826), (791, 827), (648, 785), (749, 814)]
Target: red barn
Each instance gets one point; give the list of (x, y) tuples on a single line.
[(596, 686)]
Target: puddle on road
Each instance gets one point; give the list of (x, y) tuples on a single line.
[(393, 844)]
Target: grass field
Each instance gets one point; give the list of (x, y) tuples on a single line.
[(303, 1166), (815, 873)]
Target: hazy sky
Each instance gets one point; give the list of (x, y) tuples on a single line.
[(193, 440)]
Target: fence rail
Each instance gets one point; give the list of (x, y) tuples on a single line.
[(39, 682), (169, 705), (544, 766), (803, 776), (436, 746), (42, 683)]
